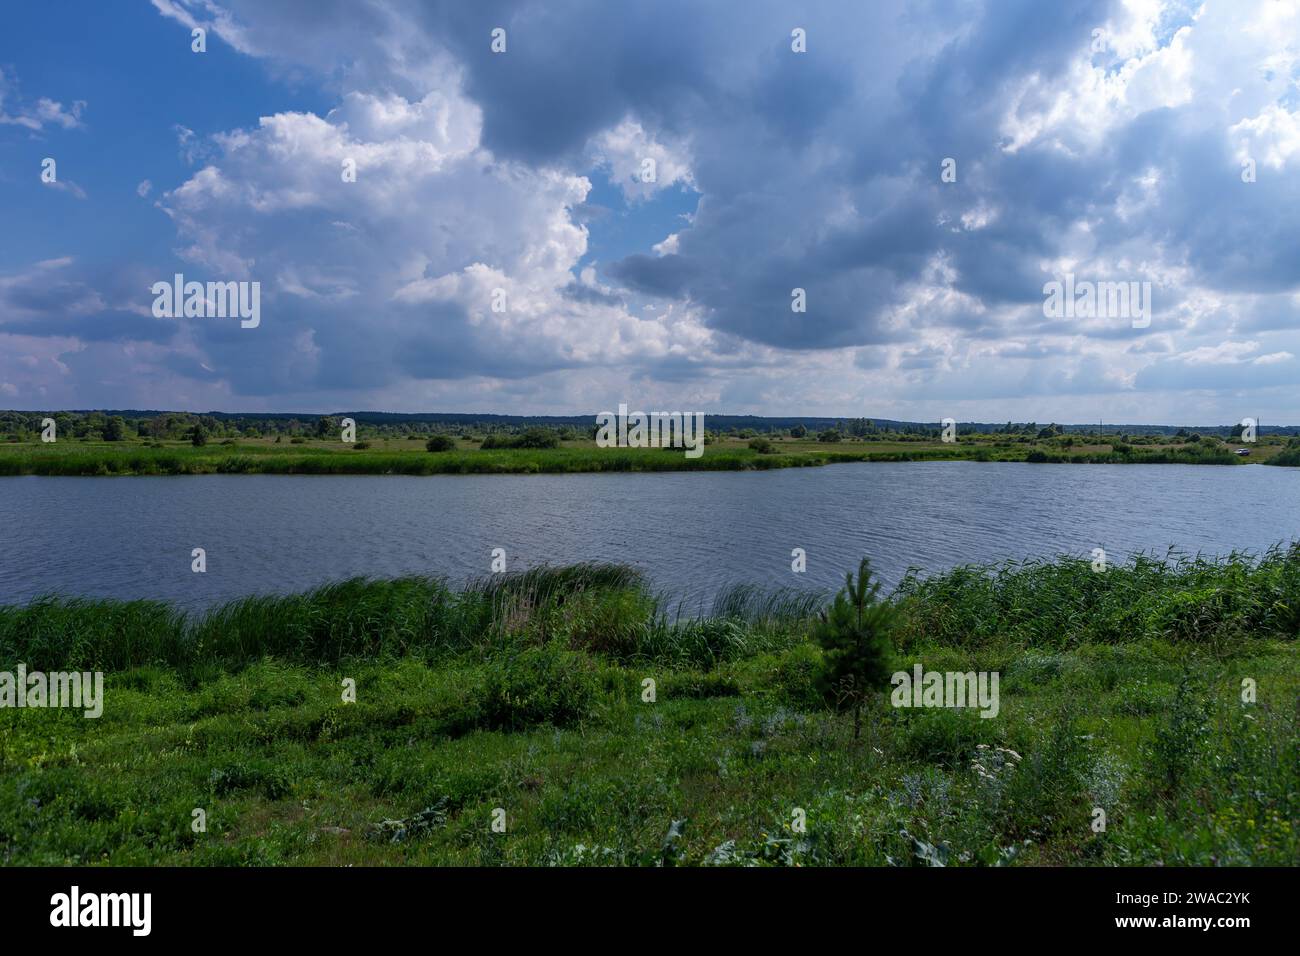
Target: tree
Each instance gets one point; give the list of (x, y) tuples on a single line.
[(440, 443), (115, 429), (198, 438), (830, 435), (798, 431), (855, 637)]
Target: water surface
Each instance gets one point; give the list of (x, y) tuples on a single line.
[(692, 533)]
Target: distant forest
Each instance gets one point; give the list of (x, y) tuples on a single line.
[(129, 424)]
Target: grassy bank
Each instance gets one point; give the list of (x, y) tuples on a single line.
[(409, 456), (1120, 690)]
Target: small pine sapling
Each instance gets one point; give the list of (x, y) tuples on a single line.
[(855, 636)]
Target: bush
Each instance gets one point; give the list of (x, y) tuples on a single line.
[(761, 445), (540, 685), (1182, 735), (538, 438), (830, 435), (440, 443)]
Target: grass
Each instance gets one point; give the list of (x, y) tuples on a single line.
[(409, 456), (527, 692)]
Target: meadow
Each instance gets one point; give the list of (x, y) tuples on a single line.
[(408, 456), (522, 699)]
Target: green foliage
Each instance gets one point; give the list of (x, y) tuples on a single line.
[(1065, 603), (537, 437), (539, 685), (854, 635), (440, 443), (525, 691), (1181, 735), (115, 429)]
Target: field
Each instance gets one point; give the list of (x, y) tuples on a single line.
[(409, 457), (522, 700)]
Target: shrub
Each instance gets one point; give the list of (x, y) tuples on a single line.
[(1182, 735), (538, 438), (761, 445), (539, 685), (197, 437), (440, 443), (830, 435)]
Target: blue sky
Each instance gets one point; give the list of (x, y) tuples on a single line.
[(1104, 140)]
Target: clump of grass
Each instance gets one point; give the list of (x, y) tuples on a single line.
[(754, 604), (80, 634), (1063, 602)]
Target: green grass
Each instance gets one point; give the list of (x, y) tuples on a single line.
[(525, 692), (409, 457)]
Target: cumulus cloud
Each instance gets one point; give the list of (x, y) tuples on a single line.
[(1097, 138)]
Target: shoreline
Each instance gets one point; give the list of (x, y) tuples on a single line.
[(106, 460)]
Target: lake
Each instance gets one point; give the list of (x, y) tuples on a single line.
[(692, 533)]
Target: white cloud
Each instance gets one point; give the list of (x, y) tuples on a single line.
[(46, 112), (638, 163)]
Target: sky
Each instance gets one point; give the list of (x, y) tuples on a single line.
[(773, 208)]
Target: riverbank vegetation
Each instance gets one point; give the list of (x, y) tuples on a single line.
[(600, 726), (538, 450), (179, 443)]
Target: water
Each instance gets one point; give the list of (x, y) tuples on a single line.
[(691, 533)]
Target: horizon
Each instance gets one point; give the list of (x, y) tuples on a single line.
[(1261, 426)]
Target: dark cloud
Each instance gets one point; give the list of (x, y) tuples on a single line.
[(96, 327)]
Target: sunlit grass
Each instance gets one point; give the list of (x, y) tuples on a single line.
[(528, 692)]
